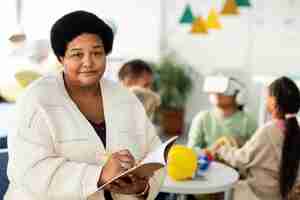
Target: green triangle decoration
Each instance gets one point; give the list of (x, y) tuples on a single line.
[(187, 17), (243, 3)]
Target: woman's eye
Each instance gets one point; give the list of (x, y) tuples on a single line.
[(98, 53), (77, 55)]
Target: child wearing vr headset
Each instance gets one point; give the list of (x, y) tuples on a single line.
[(227, 118)]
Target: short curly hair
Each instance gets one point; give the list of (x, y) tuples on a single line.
[(73, 24)]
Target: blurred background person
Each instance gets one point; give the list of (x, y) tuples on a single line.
[(136, 73), (227, 117), (137, 76)]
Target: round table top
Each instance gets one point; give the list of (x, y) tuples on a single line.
[(218, 178)]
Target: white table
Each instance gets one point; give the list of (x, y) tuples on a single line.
[(218, 178)]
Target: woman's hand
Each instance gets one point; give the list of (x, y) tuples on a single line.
[(129, 185), (117, 163)]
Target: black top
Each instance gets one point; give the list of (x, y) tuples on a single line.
[(101, 132)]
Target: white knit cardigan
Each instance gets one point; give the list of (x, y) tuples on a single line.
[(55, 153)]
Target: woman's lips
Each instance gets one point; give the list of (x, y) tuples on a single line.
[(89, 72)]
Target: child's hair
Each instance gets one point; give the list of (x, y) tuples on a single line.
[(134, 69), (287, 97)]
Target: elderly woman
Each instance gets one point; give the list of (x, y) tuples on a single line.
[(70, 121)]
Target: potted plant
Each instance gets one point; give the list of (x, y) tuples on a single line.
[(173, 82)]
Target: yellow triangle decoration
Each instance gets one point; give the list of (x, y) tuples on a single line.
[(199, 26), (230, 8), (213, 21)]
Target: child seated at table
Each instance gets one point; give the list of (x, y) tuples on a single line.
[(270, 159), (227, 116)]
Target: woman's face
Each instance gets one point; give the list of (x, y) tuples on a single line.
[(84, 61)]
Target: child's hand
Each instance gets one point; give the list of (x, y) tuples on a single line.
[(224, 141), (217, 145), (233, 142)]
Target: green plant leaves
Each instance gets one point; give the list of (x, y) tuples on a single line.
[(173, 83)]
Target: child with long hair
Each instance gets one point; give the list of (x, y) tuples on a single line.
[(270, 159)]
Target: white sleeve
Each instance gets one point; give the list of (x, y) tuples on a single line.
[(157, 180), (35, 166)]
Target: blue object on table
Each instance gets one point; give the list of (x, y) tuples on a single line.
[(203, 164)]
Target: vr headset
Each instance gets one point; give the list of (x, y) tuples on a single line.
[(227, 86)]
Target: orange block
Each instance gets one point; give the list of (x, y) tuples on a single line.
[(199, 26), (230, 8)]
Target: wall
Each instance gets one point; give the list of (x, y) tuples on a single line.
[(137, 22), (261, 40)]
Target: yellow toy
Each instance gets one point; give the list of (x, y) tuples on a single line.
[(182, 163), (222, 141), (226, 140)]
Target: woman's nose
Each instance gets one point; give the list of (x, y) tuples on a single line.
[(87, 60)]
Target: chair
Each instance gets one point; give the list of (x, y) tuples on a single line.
[(3, 175), (3, 142)]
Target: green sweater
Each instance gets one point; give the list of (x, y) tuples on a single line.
[(208, 126)]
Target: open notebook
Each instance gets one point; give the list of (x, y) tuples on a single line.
[(152, 162)]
